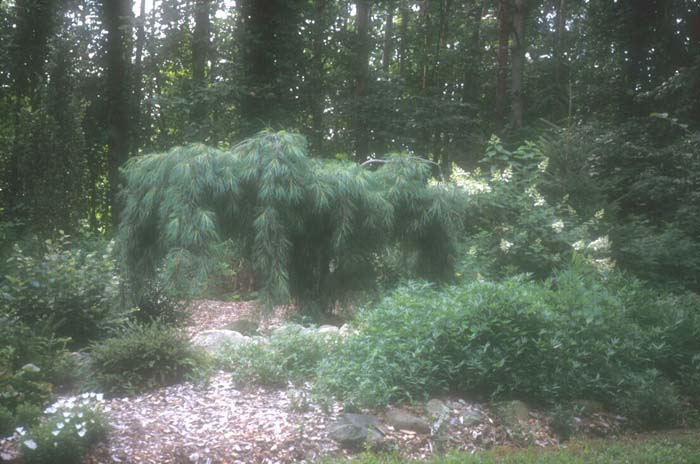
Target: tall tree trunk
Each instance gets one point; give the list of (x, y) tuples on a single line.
[(362, 78), (518, 63), (138, 78), (403, 44), (425, 16), (559, 30), (471, 86), (317, 88), (504, 28), (388, 37), (116, 20), (200, 52), (35, 22)]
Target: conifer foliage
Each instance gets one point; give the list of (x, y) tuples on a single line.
[(309, 227)]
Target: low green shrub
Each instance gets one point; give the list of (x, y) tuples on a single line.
[(291, 355), (156, 303), (7, 422), (143, 357), (574, 336), (71, 286), (68, 431)]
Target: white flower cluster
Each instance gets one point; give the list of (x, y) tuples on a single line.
[(69, 415)]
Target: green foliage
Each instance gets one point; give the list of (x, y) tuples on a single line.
[(291, 355), (156, 303), (70, 286), (668, 448), (519, 220), (143, 357), (7, 422), (69, 430), (578, 335), (308, 227)]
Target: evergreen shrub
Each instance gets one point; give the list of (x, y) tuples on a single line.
[(142, 357), (310, 228)]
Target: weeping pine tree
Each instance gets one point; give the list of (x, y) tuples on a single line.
[(309, 227)]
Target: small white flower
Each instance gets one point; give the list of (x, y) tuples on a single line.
[(505, 245), (55, 432), (81, 433), (80, 415), (579, 245), (86, 395), (50, 410), (67, 414), (20, 430), (60, 425), (558, 226), (99, 396), (31, 444)]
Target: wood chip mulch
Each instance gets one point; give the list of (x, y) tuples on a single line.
[(219, 422)]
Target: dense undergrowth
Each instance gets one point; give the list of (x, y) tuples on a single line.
[(553, 295)]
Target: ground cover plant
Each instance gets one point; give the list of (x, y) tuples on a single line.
[(142, 357), (546, 342)]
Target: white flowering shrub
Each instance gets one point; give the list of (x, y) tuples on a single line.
[(71, 426)]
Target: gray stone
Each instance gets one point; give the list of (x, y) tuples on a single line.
[(436, 408), (512, 412), (404, 420), (472, 418), (356, 430), (328, 329), (215, 340)]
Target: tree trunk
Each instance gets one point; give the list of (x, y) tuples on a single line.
[(362, 78), (116, 20), (35, 22), (200, 52), (403, 45), (138, 78), (560, 29), (504, 27), (317, 92), (471, 86), (425, 16), (518, 63), (388, 37)]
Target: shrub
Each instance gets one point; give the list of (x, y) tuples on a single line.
[(72, 287), (7, 422), (156, 303), (304, 224), (574, 336), (141, 358), (71, 427), (291, 355)]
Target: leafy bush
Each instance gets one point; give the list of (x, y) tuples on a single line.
[(574, 336), (71, 427), (141, 358), (72, 287), (291, 355), (513, 227), (157, 304)]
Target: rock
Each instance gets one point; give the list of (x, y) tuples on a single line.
[(356, 430), (512, 412), (328, 329), (288, 329), (403, 420), (586, 407), (472, 418), (436, 408), (244, 326), (214, 340)]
